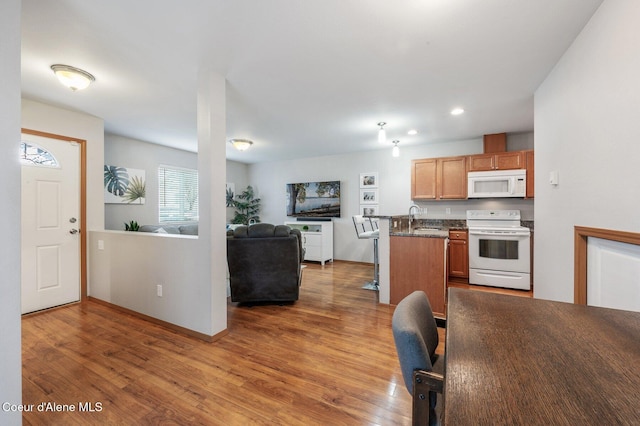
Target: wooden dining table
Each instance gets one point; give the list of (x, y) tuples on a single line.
[(520, 361)]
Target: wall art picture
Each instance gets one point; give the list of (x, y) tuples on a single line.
[(368, 196), (123, 185), (369, 210), (369, 180)]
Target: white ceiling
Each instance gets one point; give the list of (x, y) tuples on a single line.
[(304, 78)]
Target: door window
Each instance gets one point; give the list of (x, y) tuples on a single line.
[(34, 155)]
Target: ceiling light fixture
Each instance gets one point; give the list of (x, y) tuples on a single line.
[(395, 152), (241, 144), (382, 134), (412, 132), (457, 111), (72, 77)]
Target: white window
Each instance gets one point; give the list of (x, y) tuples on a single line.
[(178, 194)]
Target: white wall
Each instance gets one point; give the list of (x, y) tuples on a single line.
[(137, 154), (10, 353), (269, 179), (50, 119), (191, 270), (130, 266), (125, 152), (587, 129)]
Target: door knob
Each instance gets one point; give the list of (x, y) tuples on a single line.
[(73, 231), (73, 220)]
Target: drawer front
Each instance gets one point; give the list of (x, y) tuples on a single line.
[(458, 235)]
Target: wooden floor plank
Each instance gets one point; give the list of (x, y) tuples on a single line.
[(328, 358)]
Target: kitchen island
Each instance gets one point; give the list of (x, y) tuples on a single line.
[(414, 258)]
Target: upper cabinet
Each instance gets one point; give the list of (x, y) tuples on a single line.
[(507, 160), (439, 178), (423, 179), (452, 178), (445, 178)]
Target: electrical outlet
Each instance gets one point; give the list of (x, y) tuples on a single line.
[(159, 290), (448, 210), (100, 244)]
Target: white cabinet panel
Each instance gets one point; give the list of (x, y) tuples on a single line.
[(613, 274)]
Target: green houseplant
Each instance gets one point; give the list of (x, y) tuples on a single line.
[(131, 226), (247, 207)]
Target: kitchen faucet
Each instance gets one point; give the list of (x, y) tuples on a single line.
[(411, 215)]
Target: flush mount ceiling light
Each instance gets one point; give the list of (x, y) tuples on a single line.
[(241, 144), (382, 134), (72, 77), (412, 132), (457, 111), (395, 152)]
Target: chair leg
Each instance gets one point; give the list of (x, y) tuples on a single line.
[(373, 285), (376, 263), (421, 404), (425, 398)]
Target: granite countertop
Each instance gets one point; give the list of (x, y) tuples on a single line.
[(429, 228), (423, 233)]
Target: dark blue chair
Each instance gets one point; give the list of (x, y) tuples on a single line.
[(416, 338)]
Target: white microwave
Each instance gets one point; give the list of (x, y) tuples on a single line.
[(497, 183)]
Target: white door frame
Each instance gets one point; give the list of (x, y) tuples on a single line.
[(83, 202)]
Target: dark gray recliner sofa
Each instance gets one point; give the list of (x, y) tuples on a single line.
[(264, 263)]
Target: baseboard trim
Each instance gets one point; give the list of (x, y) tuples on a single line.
[(165, 324)]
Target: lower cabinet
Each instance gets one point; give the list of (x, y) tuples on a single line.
[(458, 254), (419, 263)]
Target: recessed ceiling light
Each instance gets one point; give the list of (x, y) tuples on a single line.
[(457, 111), (412, 132)]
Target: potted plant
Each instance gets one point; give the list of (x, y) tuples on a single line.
[(247, 207), (131, 226)]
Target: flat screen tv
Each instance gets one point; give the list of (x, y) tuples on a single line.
[(313, 199)]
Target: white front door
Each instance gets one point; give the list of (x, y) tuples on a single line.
[(50, 222)]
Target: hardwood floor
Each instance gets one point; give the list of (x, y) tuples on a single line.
[(327, 359)]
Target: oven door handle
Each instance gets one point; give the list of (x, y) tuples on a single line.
[(501, 233)]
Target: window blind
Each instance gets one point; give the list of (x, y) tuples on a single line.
[(178, 194)]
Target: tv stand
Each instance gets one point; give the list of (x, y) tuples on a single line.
[(317, 239)]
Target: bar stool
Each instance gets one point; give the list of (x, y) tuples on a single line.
[(373, 233)]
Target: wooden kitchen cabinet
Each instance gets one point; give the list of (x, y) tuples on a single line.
[(439, 178), (496, 142), (529, 162), (423, 179), (419, 263), (458, 254), (508, 160), (452, 178)]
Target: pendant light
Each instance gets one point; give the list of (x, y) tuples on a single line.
[(396, 150), (382, 135)]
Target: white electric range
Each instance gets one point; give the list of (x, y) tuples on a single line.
[(499, 249)]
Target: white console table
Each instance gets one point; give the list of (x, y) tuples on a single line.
[(317, 239)]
